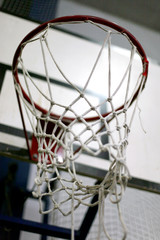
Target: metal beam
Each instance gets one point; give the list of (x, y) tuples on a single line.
[(145, 13)]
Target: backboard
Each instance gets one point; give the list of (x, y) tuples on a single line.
[(143, 149)]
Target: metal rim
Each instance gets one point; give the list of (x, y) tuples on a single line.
[(79, 18)]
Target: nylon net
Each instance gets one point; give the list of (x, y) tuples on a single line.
[(81, 126), (140, 215)]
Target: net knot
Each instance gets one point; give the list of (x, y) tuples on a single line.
[(88, 128), (109, 132), (124, 142), (94, 138), (38, 181), (118, 128), (56, 206), (52, 103), (114, 113), (77, 138), (127, 127), (67, 108), (124, 110), (79, 118), (35, 194), (40, 150), (93, 108), (82, 95), (109, 99), (38, 117)]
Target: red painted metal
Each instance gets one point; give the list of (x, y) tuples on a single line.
[(78, 18)]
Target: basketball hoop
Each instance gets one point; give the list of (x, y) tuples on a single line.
[(56, 144)]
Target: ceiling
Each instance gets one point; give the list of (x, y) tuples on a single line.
[(142, 12)]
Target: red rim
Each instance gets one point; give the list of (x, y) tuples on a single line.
[(78, 18)]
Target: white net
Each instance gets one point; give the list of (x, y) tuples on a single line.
[(64, 137), (139, 213)]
